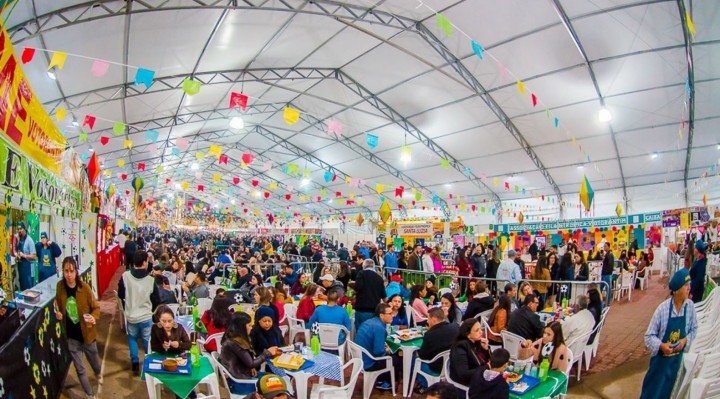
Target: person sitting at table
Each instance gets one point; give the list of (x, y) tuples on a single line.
[(306, 306), (491, 383), (642, 264), (452, 311), (216, 319), (243, 276), (438, 338), (199, 288), (420, 310), (481, 302), (270, 386), (400, 317), (510, 290), (264, 299), (430, 291), (329, 283), (470, 292), (281, 293), (524, 290), (167, 337), (166, 294), (372, 335), (265, 333), (498, 319), (276, 305), (300, 285), (332, 314), (469, 352), (248, 290), (595, 306), (175, 272), (551, 346), (524, 321), (579, 324), (237, 354)]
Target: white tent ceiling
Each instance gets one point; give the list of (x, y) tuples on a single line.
[(384, 66)]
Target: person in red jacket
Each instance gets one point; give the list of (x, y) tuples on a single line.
[(306, 307), (216, 318), (464, 267)]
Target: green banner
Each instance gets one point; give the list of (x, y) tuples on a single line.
[(578, 223), (32, 182)]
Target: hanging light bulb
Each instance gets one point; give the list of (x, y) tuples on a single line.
[(604, 115), (237, 122), (405, 154), (51, 74)]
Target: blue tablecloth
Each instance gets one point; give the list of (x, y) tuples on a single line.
[(326, 366)]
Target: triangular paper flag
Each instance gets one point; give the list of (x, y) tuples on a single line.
[(60, 114), (128, 144), (152, 135), (104, 140), (236, 180), (118, 128), (185, 185), (444, 24), (89, 121), (215, 150), (58, 60), (99, 68), (372, 140), (181, 143), (199, 156), (175, 151), (291, 115), (145, 77), (120, 163), (83, 137), (445, 163), (496, 181), (217, 177), (534, 100), (328, 176), (28, 55), (191, 87), (247, 158), (334, 126), (521, 87), (223, 160), (141, 166), (690, 24), (477, 49)]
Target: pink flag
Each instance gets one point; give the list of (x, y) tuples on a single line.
[(99, 68), (181, 143), (334, 126)]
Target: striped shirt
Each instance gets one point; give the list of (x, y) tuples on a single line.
[(659, 322)]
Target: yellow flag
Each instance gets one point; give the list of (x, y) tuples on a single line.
[(496, 181), (199, 156), (379, 188), (185, 185), (121, 163), (521, 87), (128, 144), (348, 179), (217, 177), (160, 169), (60, 114), (215, 150), (58, 60), (690, 24), (273, 185), (291, 116)]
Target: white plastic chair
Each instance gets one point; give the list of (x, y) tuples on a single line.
[(320, 391), (596, 342), (283, 322), (213, 385), (121, 312), (578, 345), (431, 378), (215, 337), (329, 335), (225, 374), (443, 291), (297, 326), (571, 361), (643, 280), (409, 313), (417, 317), (455, 383), (704, 388), (174, 307), (512, 342), (290, 310), (369, 377), (203, 304), (625, 284)]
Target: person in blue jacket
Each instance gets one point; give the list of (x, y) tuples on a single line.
[(697, 272), (47, 251)]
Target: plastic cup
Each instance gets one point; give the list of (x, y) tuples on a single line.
[(88, 318)]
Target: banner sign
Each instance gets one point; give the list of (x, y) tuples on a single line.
[(578, 223), (19, 174), (415, 229), (23, 119)]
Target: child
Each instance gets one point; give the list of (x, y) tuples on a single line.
[(490, 383)]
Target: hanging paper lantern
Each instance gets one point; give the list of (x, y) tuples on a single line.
[(385, 211), (360, 219), (110, 191)]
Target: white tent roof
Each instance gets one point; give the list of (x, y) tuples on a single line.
[(384, 66)]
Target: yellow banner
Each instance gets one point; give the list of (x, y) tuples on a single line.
[(22, 117)]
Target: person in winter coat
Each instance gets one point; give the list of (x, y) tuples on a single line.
[(481, 302), (478, 262), (490, 383)]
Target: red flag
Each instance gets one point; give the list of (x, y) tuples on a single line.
[(141, 166), (201, 187), (236, 180), (399, 191), (167, 181), (266, 194), (89, 121), (93, 169), (507, 185), (28, 55), (247, 158), (255, 183), (238, 100), (288, 196), (123, 176), (223, 159), (534, 100), (104, 140), (338, 194)]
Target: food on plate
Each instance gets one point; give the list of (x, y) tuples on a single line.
[(404, 336), (520, 387), (512, 377), (170, 365)]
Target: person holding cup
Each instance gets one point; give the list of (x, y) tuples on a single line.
[(78, 310)]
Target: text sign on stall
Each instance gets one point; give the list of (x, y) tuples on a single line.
[(23, 119), (577, 223), (415, 229)]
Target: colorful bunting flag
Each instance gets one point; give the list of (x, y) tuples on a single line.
[(175, 151), (191, 87), (99, 68), (372, 140), (152, 135), (93, 169), (215, 150), (223, 160), (521, 87), (57, 60), (118, 128), (444, 24), (27, 55), (89, 121), (238, 100), (334, 126), (291, 115), (690, 24), (618, 210), (145, 77), (120, 163), (247, 158), (82, 137), (181, 143), (128, 144), (534, 100), (141, 166), (445, 163)]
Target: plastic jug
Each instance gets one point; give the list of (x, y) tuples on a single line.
[(564, 303), (349, 309), (195, 356), (315, 345), (544, 370)]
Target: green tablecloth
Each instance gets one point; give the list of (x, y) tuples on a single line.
[(555, 384), (182, 384), (395, 346)]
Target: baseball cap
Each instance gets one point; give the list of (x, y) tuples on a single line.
[(21, 225), (327, 277), (43, 235), (270, 386)]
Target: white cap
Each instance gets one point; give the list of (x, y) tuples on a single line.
[(327, 277)]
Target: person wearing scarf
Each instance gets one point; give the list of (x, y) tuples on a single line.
[(265, 334)]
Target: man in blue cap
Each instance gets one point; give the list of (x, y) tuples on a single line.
[(47, 251), (697, 272), (672, 329), (25, 255)]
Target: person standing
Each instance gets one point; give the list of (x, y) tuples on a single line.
[(140, 295), (672, 329), (509, 271), (369, 292), (121, 238), (78, 311), (608, 263), (46, 251), (131, 248), (533, 250), (697, 272), (25, 250), (414, 262)]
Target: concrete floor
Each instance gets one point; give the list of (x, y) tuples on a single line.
[(616, 372)]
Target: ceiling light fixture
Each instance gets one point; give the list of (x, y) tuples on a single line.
[(194, 166), (177, 186), (405, 154), (232, 202), (75, 123), (51, 75), (604, 115), (90, 149), (448, 185), (237, 122), (305, 182), (654, 155), (718, 147)]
